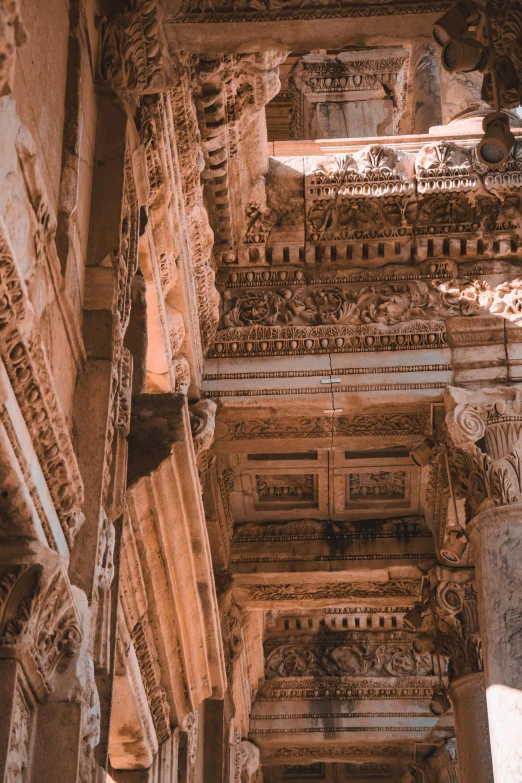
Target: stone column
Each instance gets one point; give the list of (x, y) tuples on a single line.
[(453, 604), (468, 697), (492, 475), (496, 539)]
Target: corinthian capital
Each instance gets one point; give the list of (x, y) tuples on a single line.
[(453, 605), (486, 427)]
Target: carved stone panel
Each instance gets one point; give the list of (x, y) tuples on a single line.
[(352, 95)]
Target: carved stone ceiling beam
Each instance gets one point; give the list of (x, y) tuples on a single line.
[(375, 587), (256, 25)]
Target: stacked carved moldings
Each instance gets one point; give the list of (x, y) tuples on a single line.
[(30, 376), (345, 673), (230, 93), (373, 251)]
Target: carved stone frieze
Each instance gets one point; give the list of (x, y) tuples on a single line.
[(387, 304), (335, 591), (357, 425), (377, 659), (134, 55), (43, 217), (345, 687), (230, 91), (231, 626), (299, 340), (506, 24), (31, 378), (145, 648), (337, 752), (402, 528), (204, 11)]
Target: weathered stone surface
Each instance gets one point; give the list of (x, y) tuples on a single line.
[(252, 395)]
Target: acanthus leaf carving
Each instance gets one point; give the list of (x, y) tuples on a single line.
[(333, 591), (486, 430), (377, 659), (134, 54), (39, 614), (454, 611)]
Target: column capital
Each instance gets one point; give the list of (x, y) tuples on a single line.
[(454, 609), (485, 429)]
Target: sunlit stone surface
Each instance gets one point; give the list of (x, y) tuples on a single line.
[(260, 412)]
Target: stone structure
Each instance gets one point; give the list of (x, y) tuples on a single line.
[(260, 411)]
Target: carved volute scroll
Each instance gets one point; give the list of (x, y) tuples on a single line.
[(454, 612), (485, 427)]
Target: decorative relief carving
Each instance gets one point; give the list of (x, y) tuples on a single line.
[(346, 688), (44, 220), (376, 424), (383, 485), (335, 591), (18, 753), (381, 72), (306, 340), (28, 480), (145, 648), (12, 35), (387, 304), (232, 629), (31, 379), (230, 91), (134, 54), (226, 486), (364, 659), (181, 369), (506, 25), (204, 11), (202, 422), (457, 635), (401, 528), (39, 616), (337, 752), (293, 487), (490, 474)]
